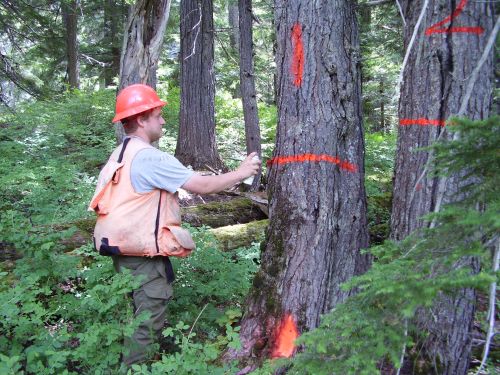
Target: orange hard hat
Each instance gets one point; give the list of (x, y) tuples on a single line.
[(135, 99)]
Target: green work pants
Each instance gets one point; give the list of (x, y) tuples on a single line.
[(151, 296)]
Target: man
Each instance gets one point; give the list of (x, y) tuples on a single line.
[(138, 220)]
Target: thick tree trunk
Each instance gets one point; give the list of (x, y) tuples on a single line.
[(111, 19), (196, 140), (71, 25), (434, 84), (142, 42), (247, 84), (317, 200)]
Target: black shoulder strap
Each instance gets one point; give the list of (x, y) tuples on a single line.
[(125, 143)]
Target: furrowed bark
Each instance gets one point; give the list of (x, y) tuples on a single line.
[(196, 144)]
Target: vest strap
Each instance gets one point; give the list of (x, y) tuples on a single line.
[(125, 143)]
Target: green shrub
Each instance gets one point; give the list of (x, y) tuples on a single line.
[(219, 280)]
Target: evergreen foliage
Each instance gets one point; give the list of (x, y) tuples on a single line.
[(374, 324)]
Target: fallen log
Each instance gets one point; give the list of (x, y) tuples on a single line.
[(240, 235), (221, 214)]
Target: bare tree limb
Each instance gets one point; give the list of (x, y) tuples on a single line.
[(404, 349), (410, 45), (197, 25), (401, 12), (491, 311), (94, 61), (16, 77), (473, 77)]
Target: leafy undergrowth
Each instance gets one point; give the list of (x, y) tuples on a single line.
[(67, 312)]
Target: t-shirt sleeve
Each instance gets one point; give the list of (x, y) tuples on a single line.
[(154, 169)]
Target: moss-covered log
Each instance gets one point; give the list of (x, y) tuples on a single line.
[(220, 214), (240, 235)]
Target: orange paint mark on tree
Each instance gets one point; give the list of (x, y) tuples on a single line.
[(286, 333), (313, 158), (421, 122), (438, 28), (298, 55)]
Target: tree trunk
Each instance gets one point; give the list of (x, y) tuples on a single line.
[(142, 42), (317, 199), (435, 79), (233, 15), (382, 105), (247, 80), (196, 140), (71, 25), (111, 20)]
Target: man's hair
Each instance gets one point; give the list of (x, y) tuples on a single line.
[(130, 124)]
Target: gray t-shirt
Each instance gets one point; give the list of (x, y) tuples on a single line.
[(154, 169)]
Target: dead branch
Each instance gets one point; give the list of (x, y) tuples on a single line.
[(198, 26), (491, 311)]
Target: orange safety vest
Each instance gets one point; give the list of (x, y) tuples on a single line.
[(135, 224)]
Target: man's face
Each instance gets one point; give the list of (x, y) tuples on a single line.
[(153, 125)]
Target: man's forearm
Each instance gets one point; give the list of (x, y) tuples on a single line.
[(222, 182), (212, 184)]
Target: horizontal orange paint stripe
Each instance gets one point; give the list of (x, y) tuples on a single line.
[(421, 122), (459, 29), (304, 158)]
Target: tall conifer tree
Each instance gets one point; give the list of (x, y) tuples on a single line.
[(317, 199)]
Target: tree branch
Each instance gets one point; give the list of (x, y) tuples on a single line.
[(410, 45), (17, 78), (473, 77), (404, 349), (491, 311), (197, 25), (94, 61), (401, 12)]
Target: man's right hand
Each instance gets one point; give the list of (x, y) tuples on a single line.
[(250, 166)]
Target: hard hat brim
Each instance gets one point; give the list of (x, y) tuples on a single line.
[(137, 110)]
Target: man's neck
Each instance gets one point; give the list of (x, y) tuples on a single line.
[(138, 136)]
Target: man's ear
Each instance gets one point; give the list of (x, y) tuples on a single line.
[(141, 120)]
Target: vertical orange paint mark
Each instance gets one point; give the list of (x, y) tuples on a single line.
[(298, 54), (287, 332)]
